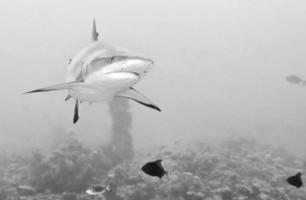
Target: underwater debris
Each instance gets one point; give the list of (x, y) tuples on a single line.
[(154, 169), (295, 180)]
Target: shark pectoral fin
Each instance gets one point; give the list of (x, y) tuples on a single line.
[(76, 116), (138, 97), (62, 86)]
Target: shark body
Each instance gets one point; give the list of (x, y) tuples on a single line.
[(101, 71)]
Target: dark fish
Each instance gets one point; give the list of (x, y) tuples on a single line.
[(294, 79), (154, 169), (295, 180), (98, 189)]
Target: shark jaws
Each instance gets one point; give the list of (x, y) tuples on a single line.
[(100, 72)]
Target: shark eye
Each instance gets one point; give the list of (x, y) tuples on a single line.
[(69, 61)]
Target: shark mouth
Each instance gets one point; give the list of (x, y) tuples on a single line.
[(135, 73)]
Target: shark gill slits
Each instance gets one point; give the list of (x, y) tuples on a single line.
[(154, 169), (112, 59), (295, 180)]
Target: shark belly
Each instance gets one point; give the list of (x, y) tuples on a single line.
[(100, 86)]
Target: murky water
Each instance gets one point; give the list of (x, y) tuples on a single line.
[(227, 75)]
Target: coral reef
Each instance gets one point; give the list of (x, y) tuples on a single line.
[(237, 169)]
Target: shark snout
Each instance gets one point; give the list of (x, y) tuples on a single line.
[(147, 65), (150, 62)]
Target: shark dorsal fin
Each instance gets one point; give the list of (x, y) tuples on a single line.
[(94, 34)]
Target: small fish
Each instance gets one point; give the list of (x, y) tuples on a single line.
[(98, 189), (176, 142), (295, 180), (162, 147), (294, 79), (154, 169)]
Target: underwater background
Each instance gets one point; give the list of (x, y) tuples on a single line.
[(231, 126), (236, 169)]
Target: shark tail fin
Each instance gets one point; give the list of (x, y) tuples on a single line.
[(62, 86), (94, 33)]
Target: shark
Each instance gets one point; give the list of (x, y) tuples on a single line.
[(101, 72)]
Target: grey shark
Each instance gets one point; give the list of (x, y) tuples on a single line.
[(101, 71)]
